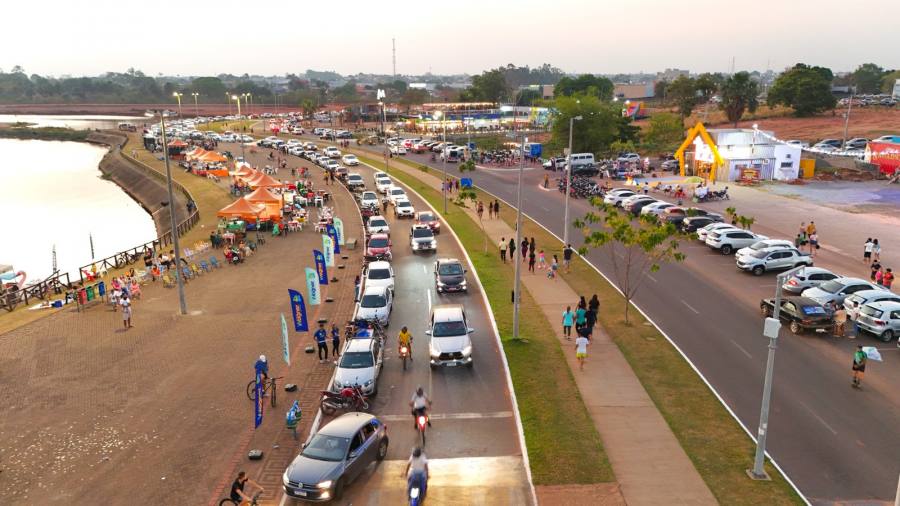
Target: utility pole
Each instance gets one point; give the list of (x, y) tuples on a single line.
[(196, 106), (518, 284), (394, 55), (847, 121), (568, 180), (178, 97), (179, 276)]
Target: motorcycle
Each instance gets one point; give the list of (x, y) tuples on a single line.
[(404, 354), (421, 423), (416, 487), (349, 399)]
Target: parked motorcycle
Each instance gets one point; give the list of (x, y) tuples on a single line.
[(348, 399)]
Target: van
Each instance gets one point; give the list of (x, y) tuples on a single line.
[(583, 164)]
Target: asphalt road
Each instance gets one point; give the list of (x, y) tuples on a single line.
[(834, 442), (472, 414)]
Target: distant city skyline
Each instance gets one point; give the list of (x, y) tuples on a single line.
[(578, 37)]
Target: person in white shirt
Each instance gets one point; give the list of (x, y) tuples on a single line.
[(416, 472), (581, 344), (419, 404)]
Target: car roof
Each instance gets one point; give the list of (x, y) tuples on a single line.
[(380, 217), (885, 305), (347, 424), (875, 291), (799, 299), (379, 264), (448, 260), (357, 344), (379, 235), (815, 270), (420, 227), (377, 290), (850, 281), (400, 201), (447, 312)]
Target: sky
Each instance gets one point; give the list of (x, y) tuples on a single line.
[(201, 37)]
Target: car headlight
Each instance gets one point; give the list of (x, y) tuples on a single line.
[(440, 283), (285, 478), (434, 353), (467, 350), (368, 383), (325, 484), (433, 244)]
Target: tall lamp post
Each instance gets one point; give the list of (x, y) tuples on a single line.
[(568, 180), (238, 100), (847, 121), (196, 105), (178, 97), (179, 277), (441, 115), (518, 284)]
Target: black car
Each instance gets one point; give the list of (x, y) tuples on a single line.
[(585, 170), (800, 313), (640, 204), (449, 275), (691, 224)]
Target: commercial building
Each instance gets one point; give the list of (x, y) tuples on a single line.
[(633, 91)]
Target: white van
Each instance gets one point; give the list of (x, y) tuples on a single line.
[(583, 164)]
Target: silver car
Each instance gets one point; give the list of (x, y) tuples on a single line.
[(864, 297), (335, 456), (881, 318), (836, 290), (808, 278)]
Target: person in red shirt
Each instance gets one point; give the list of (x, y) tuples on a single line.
[(887, 279)]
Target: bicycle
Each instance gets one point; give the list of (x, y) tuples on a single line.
[(269, 387), (253, 502)]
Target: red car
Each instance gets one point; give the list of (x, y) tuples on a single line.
[(379, 245), (428, 218)]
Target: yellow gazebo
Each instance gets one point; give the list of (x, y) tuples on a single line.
[(700, 131)]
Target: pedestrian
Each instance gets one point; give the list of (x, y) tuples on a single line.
[(321, 340), (126, 311), (542, 261), (335, 341), (859, 366), (888, 279), (531, 246), (876, 250), (524, 249), (840, 321), (852, 315), (798, 241), (503, 249), (867, 250), (590, 319), (496, 208), (582, 303), (594, 304), (567, 256), (512, 249), (879, 277), (813, 243), (567, 321), (553, 268), (456, 183), (811, 228), (581, 344), (874, 268), (531, 261), (580, 317), (546, 181), (480, 209)]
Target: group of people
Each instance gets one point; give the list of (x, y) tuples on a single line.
[(122, 291), (584, 318), (872, 257), (808, 235)]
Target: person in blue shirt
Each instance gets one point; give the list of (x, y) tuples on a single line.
[(262, 371), (321, 335), (335, 341)]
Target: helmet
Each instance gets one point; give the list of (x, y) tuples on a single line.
[(417, 452), (262, 358), (403, 329)]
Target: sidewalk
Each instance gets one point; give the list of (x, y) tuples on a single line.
[(649, 463)]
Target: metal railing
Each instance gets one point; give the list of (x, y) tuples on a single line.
[(11, 298)]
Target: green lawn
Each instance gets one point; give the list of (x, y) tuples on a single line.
[(563, 445)]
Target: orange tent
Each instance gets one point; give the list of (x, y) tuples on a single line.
[(178, 143), (213, 157), (262, 196), (240, 208), (265, 181), (196, 152)]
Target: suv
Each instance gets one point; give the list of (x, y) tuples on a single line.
[(770, 259), (449, 343), (729, 240), (449, 275), (421, 238), (379, 273), (880, 318), (375, 303), (332, 152), (360, 364), (366, 198), (403, 208), (338, 453)]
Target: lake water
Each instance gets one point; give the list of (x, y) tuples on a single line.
[(78, 122), (51, 194)]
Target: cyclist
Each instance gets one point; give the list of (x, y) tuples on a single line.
[(237, 488), (404, 338), (262, 371), (417, 471), (419, 404)]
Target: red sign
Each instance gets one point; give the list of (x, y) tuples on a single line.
[(886, 155)]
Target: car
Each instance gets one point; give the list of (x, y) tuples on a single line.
[(728, 240), (855, 144), (428, 218), (449, 344), (836, 290), (696, 223), (421, 238), (711, 227), (639, 205), (807, 278), (340, 171), (767, 244), (334, 456), (630, 201), (629, 158), (375, 304), (379, 245), (799, 144), (397, 150), (322, 160), (350, 160), (334, 165), (309, 155), (310, 146), (676, 214), (379, 273), (881, 319), (396, 193), (670, 165), (403, 208), (383, 184), (864, 297), (656, 208), (449, 276), (835, 143), (356, 182), (555, 163), (615, 199), (377, 225), (378, 175), (359, 364), (772, 259), (801, 313), (366, 198), (332, 152)]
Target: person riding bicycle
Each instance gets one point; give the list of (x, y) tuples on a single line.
[(237, 488), (262, 370), (417, 471), (404, 338), (419, 404)]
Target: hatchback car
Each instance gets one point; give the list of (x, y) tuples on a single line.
[(375, 303), (864, 297), (379, 245), (449, 276), (336, 455), (836, 290), (428, 218), (359, 364), (881, 319), (807, 278)]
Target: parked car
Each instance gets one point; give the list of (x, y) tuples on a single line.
[(449, 275), (676, 214), (336, 455), (807, 278), (711, 227), (856, 144), (772, 259), (881, 319), (629, 158), (375, 303), (800, 313), (378, 225), (428, 218), (864, 297), (799, 144), (379, 245), (367, 198), (656, 208), (628, 204), (379, 273), (728, 240), (695, 223), (767, 244), (836, 290), (638, 207), (449, 343), (398, 150), (558, 162), (403, 208), (350, 160), (615, 199), (359, 364)]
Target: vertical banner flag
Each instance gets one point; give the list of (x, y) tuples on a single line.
[(312, 287), (298, 310), (332, 232), (285, 347), (258, 402), (321, 269), (328, 247), (339, 226)]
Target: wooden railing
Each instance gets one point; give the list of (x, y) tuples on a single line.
[(55, 284)]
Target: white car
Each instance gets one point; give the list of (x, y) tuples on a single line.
[(808, 278), (767, 244), (398, 150), (712, 227), (864, 297), (332, 152), (395, 194), (378, 175), (350, 160), (332, 164), (656, 208), (360, 364), (421, 238), (368, 198), (615, 199), (728, 241), (449, 343), (355, 181), (379, 273), (403, 208), (383, 184), (375, 303), (629, 158), (378, 225)]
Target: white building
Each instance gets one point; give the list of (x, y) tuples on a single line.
[(728, 154)]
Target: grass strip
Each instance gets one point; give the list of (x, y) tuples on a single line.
[(563, 444)]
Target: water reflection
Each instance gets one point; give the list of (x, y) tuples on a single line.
[(78, 122)]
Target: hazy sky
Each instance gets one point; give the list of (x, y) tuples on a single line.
[(194, 37)]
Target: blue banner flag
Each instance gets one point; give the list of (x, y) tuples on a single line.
[(298, 310), (339, 226), (312, 287), (285, 347), (328, 248), (321, 268), (332, 232), (258, 402)]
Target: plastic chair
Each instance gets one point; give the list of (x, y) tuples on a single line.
[(204, 265), (168, 282), (215, 262), (187, 273), (196, 270)]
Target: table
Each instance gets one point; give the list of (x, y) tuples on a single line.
[(229, 237)]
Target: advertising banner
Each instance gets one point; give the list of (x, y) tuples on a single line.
[(328, 249), (332, 232), (321, 268), (298, 311), (339, 226), (312, 287), (285, 347)]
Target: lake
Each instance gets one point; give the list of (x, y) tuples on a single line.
[(52, 194), (77, 122)]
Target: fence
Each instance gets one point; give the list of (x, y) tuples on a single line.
[(12, 297)]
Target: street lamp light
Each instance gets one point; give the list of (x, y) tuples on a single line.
[(238, 100), (442, 116), (178, 97), (196, 106), (568, 180)]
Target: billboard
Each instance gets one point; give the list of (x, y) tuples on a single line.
[(886, 155)]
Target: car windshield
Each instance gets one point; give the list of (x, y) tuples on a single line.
[(378, 243), (356, 360), (422, 232), (831, 286), (379, 274), (377, 223), (871, 311), (444, 329), (330, 448), (373, 300), (397, 192), (369, 195), (450, 269), (355, 178), (426, 218), (384, 181), (404, 203)]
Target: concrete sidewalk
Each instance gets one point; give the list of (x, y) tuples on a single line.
[(649, 463)]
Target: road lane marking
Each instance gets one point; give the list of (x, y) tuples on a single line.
[(424, 270), (741, 348), (689, 306), (652, 278), (544, 208), (819, 418), (428, 292), (450, 416)]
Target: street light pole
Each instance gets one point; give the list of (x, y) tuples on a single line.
[(444, 164), (847, 120), (196, 105), (568, 181), (238, 99), (518, 284), (178, 97), (179, 276)]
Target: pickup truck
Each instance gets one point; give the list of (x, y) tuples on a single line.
[(772, 259)]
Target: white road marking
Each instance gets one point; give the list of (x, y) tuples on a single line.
[(544, 208), (819, 418), (450, 416), (652, 278), (424, 270), (741, 348), (428, 292), (689, 306)]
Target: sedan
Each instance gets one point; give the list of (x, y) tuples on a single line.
[(403, 208), (807, 278), (695, 223), (377, 225), (801, 313), (428, 218), (615, 199), (350, 160), (398, 150), (631, 201), (637, 208), (656, 208), (368, 198), (395, 194), (337, 454)]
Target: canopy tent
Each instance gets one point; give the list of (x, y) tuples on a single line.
[(196, 153), (272, 202), (240, 208), (213, 157), (177, 143), (265, 181)]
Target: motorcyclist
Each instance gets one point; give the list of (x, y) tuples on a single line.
[(404, 338), (417, 471), (419, 404), (384, 204)]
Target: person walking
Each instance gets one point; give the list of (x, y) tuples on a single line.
[(874, 268), (542, 260), (531, 261), (567, 256), (567, 320), (321, 341), (852, 315), (859, 366), (813, 243), (581, 344), (811, 228), (512, 249), (840, 321), (503, 246), (554, 267), (480, 209), (496, 208), (876, 250), (867, 250), (888, 279), (335, 341), (580, 317), (524, 249), (531, 246), (879, 276), (126, 311), (456, 184)]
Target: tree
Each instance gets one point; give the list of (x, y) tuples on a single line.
[(887, 82), (708, 84), (413, 97), (210, 88), (739, 94), (308, 107), (805, 89), (660, 89), (683, 90), (664, 132), (586, 84), (527, 97), (867, 78), (601, 124), (490, 86), (634, 248)]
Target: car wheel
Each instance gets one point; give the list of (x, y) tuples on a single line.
[(758, 270), (796, 328), (887, 335), (382, 449), (726, 249), (339, 490)]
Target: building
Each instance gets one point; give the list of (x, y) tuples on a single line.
[(736, 154), (633, 91), (672, 74), (545, 90)]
